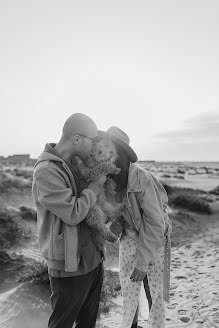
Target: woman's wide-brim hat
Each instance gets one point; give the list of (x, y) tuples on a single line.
[(121, 138)]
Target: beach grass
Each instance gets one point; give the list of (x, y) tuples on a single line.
[(7, 184), (190, 199), (10, 229), (27, 213)]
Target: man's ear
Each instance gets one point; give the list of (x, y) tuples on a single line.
[(76, 139)]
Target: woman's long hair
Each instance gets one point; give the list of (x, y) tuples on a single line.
[(123, 163)]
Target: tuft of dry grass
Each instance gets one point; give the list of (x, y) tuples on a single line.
[(36, 273), (27, 174), (215, 191), (193, 200), (28, 213), (111, 289), (6, 184), (10, 229)]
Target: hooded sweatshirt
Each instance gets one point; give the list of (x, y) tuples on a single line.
[(64, 239)]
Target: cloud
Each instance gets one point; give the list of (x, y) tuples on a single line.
[(203, 128)]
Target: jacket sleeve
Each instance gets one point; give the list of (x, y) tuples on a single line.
[(56, 197), (152, 227)]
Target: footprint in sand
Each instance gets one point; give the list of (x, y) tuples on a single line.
[(181, 277), (185, 319)]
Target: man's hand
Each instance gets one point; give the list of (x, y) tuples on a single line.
[(137, 275), (116, 228)]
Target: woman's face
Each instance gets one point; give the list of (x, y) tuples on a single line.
[(109, 149)]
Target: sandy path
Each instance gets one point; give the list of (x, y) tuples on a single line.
[(194, 284), (194, 280)]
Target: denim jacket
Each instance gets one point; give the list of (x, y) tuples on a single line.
[(146, 210)]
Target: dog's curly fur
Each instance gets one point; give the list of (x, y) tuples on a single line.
[(102, 212)]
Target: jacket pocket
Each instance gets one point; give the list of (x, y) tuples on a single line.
[(59, 247)]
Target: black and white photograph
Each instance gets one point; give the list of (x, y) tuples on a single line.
[(109, 164)]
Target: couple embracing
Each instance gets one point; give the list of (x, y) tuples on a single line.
[(66, 239)]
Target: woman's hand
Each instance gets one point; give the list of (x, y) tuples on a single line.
[(117, 228), (137, 275)]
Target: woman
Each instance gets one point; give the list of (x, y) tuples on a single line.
[(144, 250)]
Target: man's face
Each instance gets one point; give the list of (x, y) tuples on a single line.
[(109, 149), (85, 147)]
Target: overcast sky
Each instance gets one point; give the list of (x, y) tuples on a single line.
[(150, 67)]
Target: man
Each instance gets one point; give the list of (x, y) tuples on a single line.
[(74, 264)]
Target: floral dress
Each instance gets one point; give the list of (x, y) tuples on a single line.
[(131, 290)]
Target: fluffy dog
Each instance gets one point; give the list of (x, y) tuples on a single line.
[(102, 212)]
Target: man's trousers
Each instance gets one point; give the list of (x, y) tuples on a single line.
[(76, 299)]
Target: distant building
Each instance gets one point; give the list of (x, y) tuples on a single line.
[(18, 159), (149, 161)]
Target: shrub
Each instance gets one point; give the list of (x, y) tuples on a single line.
[(27, 174), (28, 213), (4, 257), (188, 198), (179, 177), (14, 260), (166, 176), (111, 283), (190, 202), (6, 184), (111, 288), (169, 189), (215, 191), (35, 272), (10, 229), (182, 171)]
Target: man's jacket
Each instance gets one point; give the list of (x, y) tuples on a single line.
[(59, 211)]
